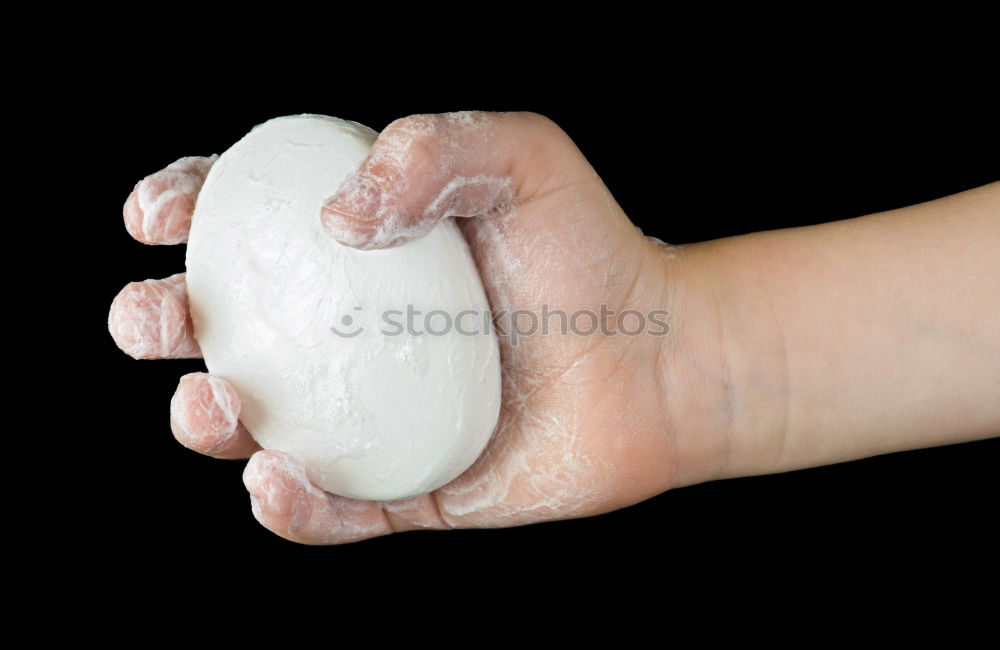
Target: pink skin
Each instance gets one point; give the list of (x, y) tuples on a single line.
[(585, 425), (204, 416), (158, 211), (150, 320)]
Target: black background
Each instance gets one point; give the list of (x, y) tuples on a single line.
[(692, 149)]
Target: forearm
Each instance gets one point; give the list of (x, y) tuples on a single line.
[(859, 337)]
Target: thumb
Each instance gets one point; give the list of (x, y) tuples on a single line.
[(423, 168)]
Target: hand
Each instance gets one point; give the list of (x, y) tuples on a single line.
[(787, 349), (588, 424)]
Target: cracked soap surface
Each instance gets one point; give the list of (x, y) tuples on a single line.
[(373, 416)]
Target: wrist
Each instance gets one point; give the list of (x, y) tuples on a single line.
[(722, 366)]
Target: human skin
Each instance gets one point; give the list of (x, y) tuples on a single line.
[(787, 349)]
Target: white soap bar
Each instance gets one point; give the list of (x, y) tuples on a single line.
[(373, 412)]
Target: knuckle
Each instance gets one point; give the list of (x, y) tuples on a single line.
[(419, 124), (547, 130), (539, 119), (411, 139), (404, 146)]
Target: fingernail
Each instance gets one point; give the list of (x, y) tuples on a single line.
[(350, 216), (356, 199)]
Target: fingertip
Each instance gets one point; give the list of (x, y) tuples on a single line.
[(388, 231), (204, 417), (256, 509), (270, 472), (158, 211), (346, 228), (159, 208), (284, 501), (123, 322), (133, 216), (147, 321), (358, 196), (279, 490), (352, 214), (150, 320)]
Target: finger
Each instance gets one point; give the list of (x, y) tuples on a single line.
[(158, 211), (285, 501), (204, 416), (150, 320), (423, 168)]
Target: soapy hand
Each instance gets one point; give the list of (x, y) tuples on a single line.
[(587, 422), (760, 371)]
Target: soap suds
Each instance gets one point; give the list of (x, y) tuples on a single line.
[(533, 469), (375, 204), (670, 251)]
